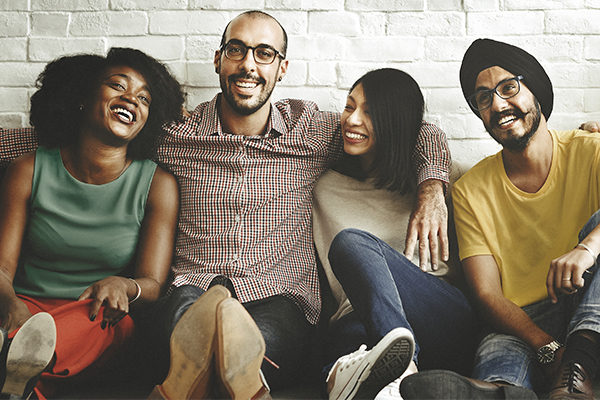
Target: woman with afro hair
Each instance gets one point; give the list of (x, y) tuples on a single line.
[(87, 221)]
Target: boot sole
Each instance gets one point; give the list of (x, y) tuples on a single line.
[(240, 350), (392, 363), (395, 354), (192, 349), (30, 352)]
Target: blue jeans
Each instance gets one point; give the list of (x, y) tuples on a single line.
[(507, 358), (288, 335), (388, 291)]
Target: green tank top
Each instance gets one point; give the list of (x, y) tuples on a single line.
[(79, 233)]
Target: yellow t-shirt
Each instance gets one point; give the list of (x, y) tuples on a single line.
[(526, 231)]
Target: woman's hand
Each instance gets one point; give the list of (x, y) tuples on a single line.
[(111, 292)]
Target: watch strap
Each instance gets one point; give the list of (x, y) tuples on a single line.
[(552, 347)]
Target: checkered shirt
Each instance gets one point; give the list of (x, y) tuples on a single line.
[(15, 142)]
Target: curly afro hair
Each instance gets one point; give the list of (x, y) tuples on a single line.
[(66, 84)]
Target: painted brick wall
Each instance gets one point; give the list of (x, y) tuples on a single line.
[(331, 43)]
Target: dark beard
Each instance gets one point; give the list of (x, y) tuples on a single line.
[(517, 144), (241, 109)]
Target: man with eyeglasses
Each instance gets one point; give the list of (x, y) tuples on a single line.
[(246, 168), (519, 216)]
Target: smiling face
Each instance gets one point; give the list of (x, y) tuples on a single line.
[(511, 122), (246, 85), (120, 105), (357, 127)]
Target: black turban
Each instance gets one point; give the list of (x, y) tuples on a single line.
[(486, 53)]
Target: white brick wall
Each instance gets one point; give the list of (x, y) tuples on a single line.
[(331, 43)]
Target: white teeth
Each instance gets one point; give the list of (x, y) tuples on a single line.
[(247, 85), (506, 120), (124, 113), (355, 136)]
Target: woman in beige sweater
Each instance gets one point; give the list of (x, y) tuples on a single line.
[(403, 315)]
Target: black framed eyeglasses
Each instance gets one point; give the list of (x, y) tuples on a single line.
[(505, 90), (263, 54)]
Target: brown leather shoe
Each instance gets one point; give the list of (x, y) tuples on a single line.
[(448, 385), (192, 350), (239, 353), (572, 382)]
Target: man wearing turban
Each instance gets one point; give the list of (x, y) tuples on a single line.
[(518, 214)]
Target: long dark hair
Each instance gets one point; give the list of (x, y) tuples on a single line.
[(66, 84), (396, 109)]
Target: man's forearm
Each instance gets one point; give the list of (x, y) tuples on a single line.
[(428, 223), (506, 317), (430, 188), (483, 277)]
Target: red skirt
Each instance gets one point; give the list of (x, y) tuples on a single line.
[(80, 342)]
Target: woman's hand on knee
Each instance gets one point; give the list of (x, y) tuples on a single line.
[(111, 293)]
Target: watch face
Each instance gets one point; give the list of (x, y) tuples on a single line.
[(545, 355)]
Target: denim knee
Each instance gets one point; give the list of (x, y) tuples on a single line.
[(590, 225), (346, 239), (506, 358)]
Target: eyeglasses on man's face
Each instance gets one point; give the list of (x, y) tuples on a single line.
[(505, 90), (263, 54)]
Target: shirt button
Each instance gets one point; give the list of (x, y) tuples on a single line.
[(237, 218), (241, 179), (234, 257), (241, 148)]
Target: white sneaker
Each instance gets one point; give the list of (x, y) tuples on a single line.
[(365, 372), (392, 390)]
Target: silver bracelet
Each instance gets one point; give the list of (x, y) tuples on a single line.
[(138, 291), (585, 247)]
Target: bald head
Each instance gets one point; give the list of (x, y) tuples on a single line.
[(256, 14)]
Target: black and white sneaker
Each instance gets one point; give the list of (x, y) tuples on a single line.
[(364, 373)]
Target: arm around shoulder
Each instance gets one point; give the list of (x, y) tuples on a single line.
[(15, 143), (432, 155), (429, 218)]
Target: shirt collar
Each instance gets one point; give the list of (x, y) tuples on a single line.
[(275, 126)]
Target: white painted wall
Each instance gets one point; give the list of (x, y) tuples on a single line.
[(331, 43)]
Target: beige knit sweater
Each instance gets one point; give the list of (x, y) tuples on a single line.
[(341, 202)]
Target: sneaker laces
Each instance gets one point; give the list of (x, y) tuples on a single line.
[(349, 359), (572, 375)]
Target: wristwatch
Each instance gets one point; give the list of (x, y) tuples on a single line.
[(545, 354)]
